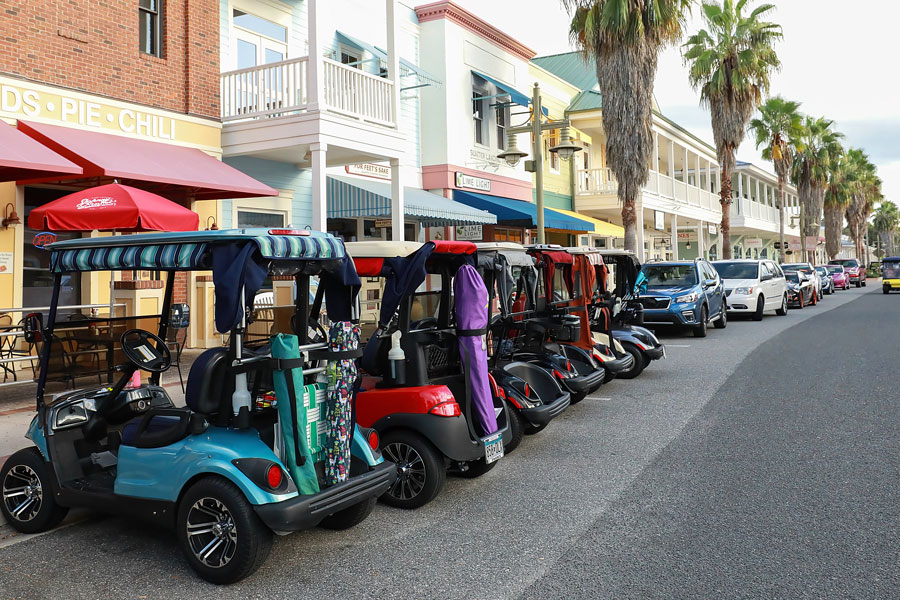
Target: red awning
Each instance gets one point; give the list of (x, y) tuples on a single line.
[(141, 162), (21, 157)]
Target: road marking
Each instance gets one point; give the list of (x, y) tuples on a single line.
[(678, 345)]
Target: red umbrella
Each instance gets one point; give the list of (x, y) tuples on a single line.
[(113, 207)]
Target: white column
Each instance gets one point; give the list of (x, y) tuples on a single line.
[(740, 186), (686, 167), (398, 206), (639, 226), (393, 60), (709, 174), (319, 186), (697, 172), (656, 158), (315, 73), (674, 236), (701, 243), (758, 197), (671, 169)]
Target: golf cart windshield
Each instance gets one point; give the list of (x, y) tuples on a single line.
[(890, 269), (737, 270), (670, 275)]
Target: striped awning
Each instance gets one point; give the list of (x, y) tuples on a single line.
[(122, 258), (349, 197)]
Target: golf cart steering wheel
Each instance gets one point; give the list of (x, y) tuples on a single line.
[(137, 348)]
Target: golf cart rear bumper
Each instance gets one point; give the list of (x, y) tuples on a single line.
[(543, 414), (655, 353), (619, 365), (304, 512), (585, 384)]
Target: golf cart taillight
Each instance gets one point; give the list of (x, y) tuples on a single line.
[(558, 373), (446, 409), (373, 440), (569, 366), (527, 390), (288, 232), (274, 476)]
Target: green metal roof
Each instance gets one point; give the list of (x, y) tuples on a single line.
[(570, 67), (586, 100)]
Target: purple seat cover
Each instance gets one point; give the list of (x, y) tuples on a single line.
[(471, 305)]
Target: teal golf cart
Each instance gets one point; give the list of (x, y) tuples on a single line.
[(266, 441)]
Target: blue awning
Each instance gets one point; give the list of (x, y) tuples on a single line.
[(424, 78), (523, 214), (350, 197), (515, 95)]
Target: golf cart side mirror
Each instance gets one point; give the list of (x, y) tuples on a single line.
[(32, 327), (180, 316)]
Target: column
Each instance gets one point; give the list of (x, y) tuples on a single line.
[(656, 158), (709, 174), (701, 242), (639, 227), (674, 236), (740, 186), (686, 168), (315, 73), (393, 60), (697, 172), (398, 207), (671, 169), (319, 186)]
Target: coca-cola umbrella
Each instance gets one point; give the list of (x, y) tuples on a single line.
[(113, 207)]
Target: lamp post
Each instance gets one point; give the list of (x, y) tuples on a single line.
[(537, 126)]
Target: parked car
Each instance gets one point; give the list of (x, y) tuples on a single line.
[(811, 273), (689, 294), (753, 286), (890, 274), (839, 276), (854, 269), (801, 289), (827, 280)]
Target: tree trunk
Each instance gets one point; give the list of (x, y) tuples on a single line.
[(781, 217), (629, 222), (725, 201), (834, 218)]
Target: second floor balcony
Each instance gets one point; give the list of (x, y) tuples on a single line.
[(598, 188)]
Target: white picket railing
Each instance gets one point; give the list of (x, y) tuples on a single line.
[(284, 88), (595, 181)]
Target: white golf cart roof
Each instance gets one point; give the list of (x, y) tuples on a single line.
[(381, 249)]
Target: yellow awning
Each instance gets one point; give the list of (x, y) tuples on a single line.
[(600, 227)]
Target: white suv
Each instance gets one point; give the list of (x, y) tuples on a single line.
[(753, 286)]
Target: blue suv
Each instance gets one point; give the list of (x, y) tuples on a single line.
[(685, 293)]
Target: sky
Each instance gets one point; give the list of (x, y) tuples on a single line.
[(837, 62)]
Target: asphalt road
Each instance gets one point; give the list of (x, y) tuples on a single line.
[(760, 462)]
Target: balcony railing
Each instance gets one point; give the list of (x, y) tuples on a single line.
[(284, 88), (601, 181), (596, 181)]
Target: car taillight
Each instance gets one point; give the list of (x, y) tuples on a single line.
[(274, 476), (446, 409), (373, 440)]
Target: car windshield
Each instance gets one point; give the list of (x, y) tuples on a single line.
[(821, 271), (846, 262), (792, 276), (737, 270), (891, 270), (798, 267), (670, 275), (835, 269)]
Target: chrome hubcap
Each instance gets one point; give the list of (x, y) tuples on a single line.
[(22, 493), (410, 470), (211, 532)]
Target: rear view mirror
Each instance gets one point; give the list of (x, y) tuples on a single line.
[(32, 326), (180, 316)]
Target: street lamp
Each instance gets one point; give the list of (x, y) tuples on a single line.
[(537, 126)]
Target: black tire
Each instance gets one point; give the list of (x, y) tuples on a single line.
[(858, 283), (760, 307), (421, 471), (864, 283), (886, 289), (477, 468), (700, 329), (349, 517), (516, 428), (533, 429), (783, 311), (722, 321), (576, 398), (244, 534), (640, 362), (27, 500)]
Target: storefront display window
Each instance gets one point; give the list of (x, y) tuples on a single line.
[(37, 282), (505, 234)]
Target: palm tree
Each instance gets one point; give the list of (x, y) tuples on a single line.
[(778, 120), (730, 64), (843, 176), (816, 145), (624, 37), (866, 194), (886, 222)]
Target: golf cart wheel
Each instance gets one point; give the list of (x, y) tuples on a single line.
[(27, 496), (516, 428), (221, 536), (576, 398), (477, 468), (640, 363), (421, 472), (760, 307), (886, 289), (784, 307), (700, 329), (349, 517)]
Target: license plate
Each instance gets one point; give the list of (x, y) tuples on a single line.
[(493, 448)]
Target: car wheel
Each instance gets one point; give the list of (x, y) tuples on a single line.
[(28, 503), (639, 362), (760, 306), (858, 284), (347, 518), (220, 534), (421, 472), (814, 299), (722, 321), (516, 428), (700, 329), (784, 307), (864, 283)]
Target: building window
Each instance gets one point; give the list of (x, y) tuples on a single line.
[(502, 124), (504, 234), (150, 26), (258, 41), (552, 158), (479, 104), (247, 219), (351, 58)]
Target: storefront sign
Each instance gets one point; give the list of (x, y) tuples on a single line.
[(711, 229), (43, 239), (383, 223), (470, 181), (794, 246), (369, 170), (659, 220), (753, 243), (484, 156), (469, 233), (685, 236), (6, 263)]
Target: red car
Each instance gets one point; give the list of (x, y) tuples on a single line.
[(839, 275), (855, 270)]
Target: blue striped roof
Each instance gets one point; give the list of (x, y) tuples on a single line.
[(521, 212)]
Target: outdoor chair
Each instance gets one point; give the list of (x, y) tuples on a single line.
[(175, 339)]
